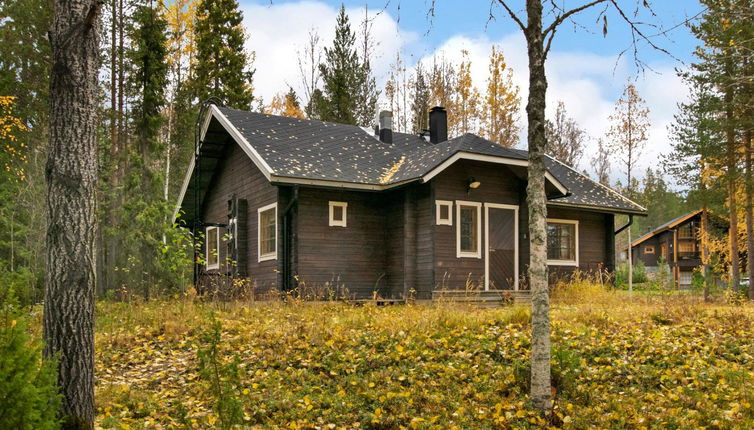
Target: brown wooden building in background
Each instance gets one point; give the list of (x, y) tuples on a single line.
[(676, 243), (286, 202)]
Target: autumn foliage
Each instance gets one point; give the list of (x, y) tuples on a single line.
[(652, 362)]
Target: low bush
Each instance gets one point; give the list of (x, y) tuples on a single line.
[(639, 274)]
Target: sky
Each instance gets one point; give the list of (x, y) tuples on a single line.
[(584, 68)]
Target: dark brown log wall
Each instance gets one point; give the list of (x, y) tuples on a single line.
[(592, 244), (237, 174), (353, 256)]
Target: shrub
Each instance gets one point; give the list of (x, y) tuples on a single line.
[(28, 392), (639, 274)]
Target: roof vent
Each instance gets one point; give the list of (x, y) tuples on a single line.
[(386, 126), (438, 124)]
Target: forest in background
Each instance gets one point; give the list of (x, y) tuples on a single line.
[(161, 60)]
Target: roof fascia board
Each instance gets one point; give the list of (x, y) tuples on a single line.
[(336, 184), (602, 209), (242, 142), (184, 188), (462, 155)]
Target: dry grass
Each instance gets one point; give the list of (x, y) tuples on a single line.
[(618, 362)]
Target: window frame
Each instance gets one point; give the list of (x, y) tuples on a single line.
[(270, 255), (478, 252), (649, 249), (332, 222), (575, 261), (687, 228), (438, 219), (216, 265)]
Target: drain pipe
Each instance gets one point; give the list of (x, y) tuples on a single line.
[(286, 233), (630, 221)]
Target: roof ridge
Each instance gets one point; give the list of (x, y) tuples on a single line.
[(596, 183)]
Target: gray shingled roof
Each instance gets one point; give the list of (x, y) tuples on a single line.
[(308, 149)]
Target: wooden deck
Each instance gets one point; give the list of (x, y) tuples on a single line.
[(489, 298)]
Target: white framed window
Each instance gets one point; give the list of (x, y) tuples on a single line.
[(562, 242), (443, 212), (649, 249), (267, 223), (338, 214), (212, 248), (468, 229)]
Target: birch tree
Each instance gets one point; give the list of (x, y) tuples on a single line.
[(565, 139), (500, 108), (601, 163), (628, 135), (71, 178), (539, 37)]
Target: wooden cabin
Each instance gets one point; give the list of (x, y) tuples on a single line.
[(677, 243), (287, 202)]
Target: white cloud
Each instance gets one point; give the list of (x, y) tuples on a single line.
[(588, 83), (277, 32)]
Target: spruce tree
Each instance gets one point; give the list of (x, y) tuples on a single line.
[(342, 75), (147, 82), (223, 67)]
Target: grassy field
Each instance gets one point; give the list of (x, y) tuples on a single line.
[(670, 362)]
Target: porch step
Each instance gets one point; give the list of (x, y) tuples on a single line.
[(488, 298)]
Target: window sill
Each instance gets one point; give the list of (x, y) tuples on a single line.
[(212, 267), (469, 255), (562, 263), (268, 257)]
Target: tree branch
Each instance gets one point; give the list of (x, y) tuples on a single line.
[(559, 20), (513, 15)]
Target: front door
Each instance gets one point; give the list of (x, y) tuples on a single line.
[(502, 247)]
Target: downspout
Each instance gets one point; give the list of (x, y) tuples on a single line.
[(620, 230), (288, 241)]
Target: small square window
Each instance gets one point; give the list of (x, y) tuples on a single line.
[(212, 248), (338, 214), (444, 212)]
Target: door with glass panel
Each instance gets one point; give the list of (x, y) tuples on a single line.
[(502, 247)]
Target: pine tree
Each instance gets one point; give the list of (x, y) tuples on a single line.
[(342, 76), (71, 177), (223, 68), (500, 109)]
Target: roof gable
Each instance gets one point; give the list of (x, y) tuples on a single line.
[(667, 226)]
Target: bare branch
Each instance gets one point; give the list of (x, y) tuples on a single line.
[(636, 31), (559, 20), (513, 15)]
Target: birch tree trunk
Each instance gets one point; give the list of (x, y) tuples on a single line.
[(71, 177), (536, 201)]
